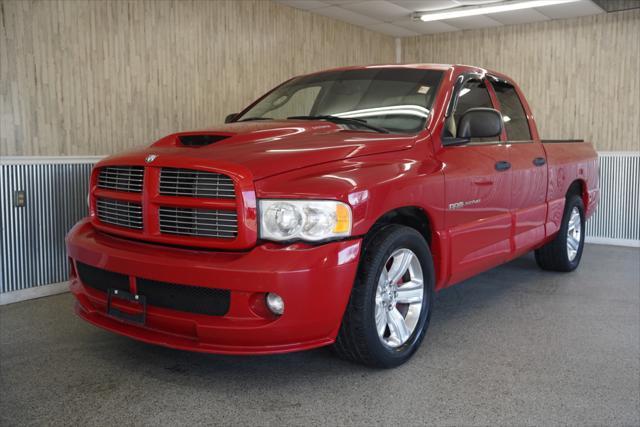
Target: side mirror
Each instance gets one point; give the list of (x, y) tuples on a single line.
[(230, 117), (480, 123)]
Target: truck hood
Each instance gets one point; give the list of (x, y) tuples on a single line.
[(269, 148)]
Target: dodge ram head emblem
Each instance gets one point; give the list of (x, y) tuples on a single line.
[(150, 158)]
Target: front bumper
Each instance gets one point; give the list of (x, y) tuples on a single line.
[(314, 281)]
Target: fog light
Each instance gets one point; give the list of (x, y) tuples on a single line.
[(275, 303)]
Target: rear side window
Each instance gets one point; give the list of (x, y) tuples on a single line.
[(515, 119)]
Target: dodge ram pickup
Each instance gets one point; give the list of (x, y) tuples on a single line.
[(328, 212)]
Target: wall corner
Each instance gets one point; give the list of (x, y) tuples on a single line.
[(398, 50)]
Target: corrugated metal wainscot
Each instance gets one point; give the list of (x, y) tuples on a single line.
[(54, 194)]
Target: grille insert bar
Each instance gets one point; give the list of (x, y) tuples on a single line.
[(192, 299), (193, 183), (121, 178), (198, 222), (121, 213)]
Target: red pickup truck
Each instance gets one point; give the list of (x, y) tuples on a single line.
[(329, 211)]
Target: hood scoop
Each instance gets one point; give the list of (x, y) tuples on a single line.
[(200, 140)]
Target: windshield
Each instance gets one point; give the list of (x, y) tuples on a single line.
[(394, 99)]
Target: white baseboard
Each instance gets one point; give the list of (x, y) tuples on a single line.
[(35, 292), (613, 242)]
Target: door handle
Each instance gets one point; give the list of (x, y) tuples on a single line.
[(502, 165), (539, 161)]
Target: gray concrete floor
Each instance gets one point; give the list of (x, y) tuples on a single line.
[(513, 346)]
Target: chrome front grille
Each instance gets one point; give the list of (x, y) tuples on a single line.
[(121, 178), (193, 183), (169, 217), (198, 222), (120, 213)]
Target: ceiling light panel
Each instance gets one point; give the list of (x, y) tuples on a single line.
[(467, 11)]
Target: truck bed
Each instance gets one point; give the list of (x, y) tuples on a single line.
[(569, 160)]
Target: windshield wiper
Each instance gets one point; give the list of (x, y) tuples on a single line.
[(248, 119), (342, 120)]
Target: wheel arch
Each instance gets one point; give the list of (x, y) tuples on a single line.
[(578, 188), (420, 220), (411, 216)]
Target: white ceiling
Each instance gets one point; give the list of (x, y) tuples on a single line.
[(393, 17)]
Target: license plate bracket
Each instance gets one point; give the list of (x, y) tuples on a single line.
[(140, 300)]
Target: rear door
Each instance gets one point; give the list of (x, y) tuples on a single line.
[(528, 169), (477, 193)]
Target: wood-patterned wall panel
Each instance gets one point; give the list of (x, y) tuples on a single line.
[(95, 77), (581, 76)]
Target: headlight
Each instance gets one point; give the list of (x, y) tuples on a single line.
[(311, 220)]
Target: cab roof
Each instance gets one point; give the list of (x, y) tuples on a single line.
[(441, 67)]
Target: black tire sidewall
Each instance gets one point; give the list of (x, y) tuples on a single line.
[(572, 202), (386, 241)]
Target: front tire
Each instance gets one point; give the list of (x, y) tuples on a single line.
[(390, 305), (564, 252)]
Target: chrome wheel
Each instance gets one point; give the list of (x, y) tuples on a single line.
[(399, 298), (574, 234)]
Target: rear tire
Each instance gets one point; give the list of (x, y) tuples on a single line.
[(390, 305), (564, 252)]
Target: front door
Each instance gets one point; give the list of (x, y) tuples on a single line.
[(477, 193)]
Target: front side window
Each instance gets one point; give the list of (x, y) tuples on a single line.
[(513, 115), (396, 99), (473, 94)]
